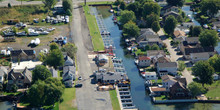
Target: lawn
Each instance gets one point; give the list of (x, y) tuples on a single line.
[(188, 1), (114, 100), (93, 3), (213, 91), (162, 97), (68, 99), (140, 52), (94, 30), (159, 81)]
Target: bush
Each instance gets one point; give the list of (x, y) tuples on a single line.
[(14, 88), (68, 12)]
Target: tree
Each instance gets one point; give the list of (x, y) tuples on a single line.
[(54, 46), (127, 16), (55, 58), (122, 5), (170, 24), (197, 30), (151, 18), (131, 29), (196, 89), (181, 65), (210, 7), (67, 5), (49, 4), (71, 49), (208, 38), (40, 73), (176, 2), (155, 26), (204, 71), (180, 19), (155, 47), (214, 61), (151, 7), (135, 7), (14, 88)]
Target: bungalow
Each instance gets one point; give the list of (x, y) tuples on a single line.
[(188, 51), (151, 76), (22, 78), (199, 56), (3, 72), (169, 8), (172, 13), (179, 91), (23, 55), (68, 75), (144, 61), (170, 67), (168, 81), (154, 53)]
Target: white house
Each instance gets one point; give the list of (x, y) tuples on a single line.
[(199, 56), (144, 61), (169, 67), (168, 81), (151, 76)]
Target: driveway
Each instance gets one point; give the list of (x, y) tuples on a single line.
[(87, 97)]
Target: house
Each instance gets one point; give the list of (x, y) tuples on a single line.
[(188, 51), (145, 34), (199, 56), (154, 53), (179, 39), (168, 81), (101, 59), (68, 61), (215, 77), (189, 42), (23, 55), (192, 40), (68, 75), (3, 72), (187, 24), (170, 13), (157, 91), (54, 72), (169, 67), (179, 91), (169, 8), (22, 78), (151, 76), (178, 33), (144, 61), (149, 40), (109, 77), (162, 59)]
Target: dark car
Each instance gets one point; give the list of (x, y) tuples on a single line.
[(78, 85)]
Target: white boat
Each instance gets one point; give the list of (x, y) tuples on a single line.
[(111, 11), (105, 33), (136, 61), (37, 41), (143, 74)]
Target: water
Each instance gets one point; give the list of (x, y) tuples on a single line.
[(186, 9), (140, 98), (6, 106)]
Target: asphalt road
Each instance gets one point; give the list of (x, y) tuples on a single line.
[(87, 97)]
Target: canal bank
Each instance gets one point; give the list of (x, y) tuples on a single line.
[(140, 99)]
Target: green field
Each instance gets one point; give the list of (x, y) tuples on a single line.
[(188, 1), (213, 91), (94, 30), (68, 99), (114, 100)]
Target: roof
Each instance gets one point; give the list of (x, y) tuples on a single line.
[(177, 85), (163, 59), (167, 78), (170, 13), (3, 71), (15, 74), (155, 52), (198, 50), (68, 73), (102, 57), (157, 89), (168, 7), (146, 33), (168, 64), (68, 61), (179, 33), (150, 73), (112, 76), (201, 55), (54, 72), (26, 52), (143, 58), (192, 39)]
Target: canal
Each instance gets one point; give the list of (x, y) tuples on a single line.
[(6, 105), (141, 100)]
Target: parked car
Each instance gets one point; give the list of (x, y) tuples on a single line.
[(78, 85), (80, 78)]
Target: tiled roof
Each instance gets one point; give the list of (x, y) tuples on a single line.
[(143, 58), (157, 89), (18, 52), (179, 33)]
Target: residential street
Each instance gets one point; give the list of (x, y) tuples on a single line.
[(174, 58), (87, 97)]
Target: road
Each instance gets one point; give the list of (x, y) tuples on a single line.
[(174, 58), (4, 3), (87, 97)]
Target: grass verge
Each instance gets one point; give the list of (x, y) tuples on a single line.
[(213, 91), (94, 30), (68, 99), (114, 100)]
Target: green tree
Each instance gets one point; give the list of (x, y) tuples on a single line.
[(196, 89), (170, 24), (122, 5), (55, 58), (204, 71), (208, 38), (71, 49), (49, 4), (150, 19), (210, 7), (14, 88), (127, 16), (54, 46), (180, 19), (131, 29), (155, 26), (155, 47), (214, 61), (67, 5), (42, 57), (151, 7), (135, 7), (176, 2), (181, 65), (40, 73)]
